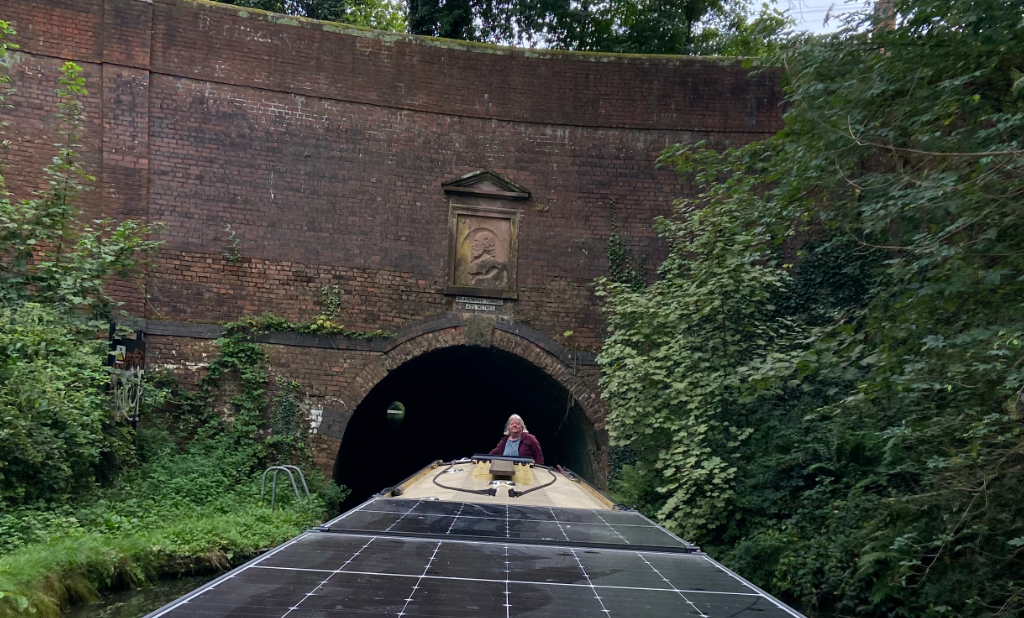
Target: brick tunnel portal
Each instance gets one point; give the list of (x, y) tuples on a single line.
[(456, 402), (352, 169)]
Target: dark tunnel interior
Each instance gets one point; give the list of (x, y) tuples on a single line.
[(456, 403)]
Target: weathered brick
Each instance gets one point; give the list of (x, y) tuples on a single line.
[(324, 149)]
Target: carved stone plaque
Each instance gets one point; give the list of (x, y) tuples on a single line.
[(482, 247), (483, 251), (483, 230)]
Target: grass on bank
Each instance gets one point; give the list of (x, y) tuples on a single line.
[(176, 513), (42, 579)]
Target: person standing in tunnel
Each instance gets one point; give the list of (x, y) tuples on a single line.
[(517, 442)]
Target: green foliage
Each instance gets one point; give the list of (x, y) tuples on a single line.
[(5, 80), (827, 381), (629, 485), (735, 31), (41, 579), (720, 27), (82, 508), (192, 502), (251, 325), (330, 303), (287, 428), (58, 434), (286, 416), (376, 14), (56, 416), (239, 426), (48, 254), (621, 268), (204, 477), (677, 355), (621, 26), (232, 254)]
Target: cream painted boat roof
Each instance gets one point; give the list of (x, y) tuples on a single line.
[(460, 482)]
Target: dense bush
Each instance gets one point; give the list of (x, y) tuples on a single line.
[(86, 502), (191, 500), (56, 432), (824, 388)]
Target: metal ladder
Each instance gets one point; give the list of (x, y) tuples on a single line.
[(273, 484)]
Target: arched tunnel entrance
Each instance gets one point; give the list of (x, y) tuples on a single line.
[(456, 402)]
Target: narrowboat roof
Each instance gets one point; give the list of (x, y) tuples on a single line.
[(455, 540), (472, 480)]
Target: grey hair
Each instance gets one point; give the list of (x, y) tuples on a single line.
[(518, 418)]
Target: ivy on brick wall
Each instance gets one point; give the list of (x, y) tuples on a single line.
[(621, 266), (321, 325)]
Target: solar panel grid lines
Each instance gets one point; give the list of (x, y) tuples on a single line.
[(437, 518), (559, 524), (612, 528), (510, 581), (461, 507), (530, 583), (508, 600), (437, 559), (590, 583), (688, 601), (223, 578), (518, 522), (651, 523), (342, 516), (552, 519), (411, 509), (323, 583), (417, 585), (772, 599)]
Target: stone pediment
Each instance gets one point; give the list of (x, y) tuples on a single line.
[(485, 183)]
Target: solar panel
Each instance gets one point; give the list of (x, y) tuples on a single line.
[(335, 575), (437, 519), (435, 559)]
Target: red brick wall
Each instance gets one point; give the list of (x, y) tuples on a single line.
[(337, 380), (324, 149)]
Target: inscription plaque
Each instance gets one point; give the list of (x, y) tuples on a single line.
[(478, 304)]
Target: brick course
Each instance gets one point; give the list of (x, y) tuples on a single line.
[(324, 149)]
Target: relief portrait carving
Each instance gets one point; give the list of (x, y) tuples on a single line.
[(485, 269), (483, 235), (483, 245)]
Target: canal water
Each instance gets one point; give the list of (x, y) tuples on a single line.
[(139, 602)]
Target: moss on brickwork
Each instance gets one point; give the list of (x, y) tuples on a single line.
[(390, 38)]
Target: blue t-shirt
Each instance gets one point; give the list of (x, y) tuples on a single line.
[(511, 448)]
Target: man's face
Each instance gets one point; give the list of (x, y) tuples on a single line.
[(477, 247)]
